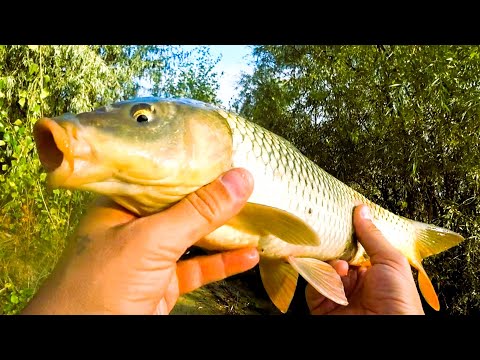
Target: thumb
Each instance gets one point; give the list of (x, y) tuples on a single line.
[(198, 214), (378, 248)]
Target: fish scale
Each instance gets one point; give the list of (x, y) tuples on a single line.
[(302, 188)]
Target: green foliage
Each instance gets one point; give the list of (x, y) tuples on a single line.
[(398, 123), (13, 300), (38, 81), (192, 76)]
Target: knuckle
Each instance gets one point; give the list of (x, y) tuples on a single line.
[(205, 204)]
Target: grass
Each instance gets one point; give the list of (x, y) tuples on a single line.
[(33, 235)]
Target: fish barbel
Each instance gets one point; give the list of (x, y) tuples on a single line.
[(149, 153)]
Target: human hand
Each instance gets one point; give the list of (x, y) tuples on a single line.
[(121, 264), (387, 287)]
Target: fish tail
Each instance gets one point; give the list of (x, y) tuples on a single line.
[(430, 240)]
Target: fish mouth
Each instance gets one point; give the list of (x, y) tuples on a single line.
[(54, 147)]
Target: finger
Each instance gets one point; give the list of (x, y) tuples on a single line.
[(350, 281), (201, 270), (340, 266), (172, 294), (319, 304), (347, 274), (103, 214), (315, 300), (313, 297), (372, 239), (199, 213), (162, 308)]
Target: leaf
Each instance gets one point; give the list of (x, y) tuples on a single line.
[(32, 68), (2, 142), (44, 94), (21, 102), (14, 299), (18, 122), (36, 108), (33, 47)]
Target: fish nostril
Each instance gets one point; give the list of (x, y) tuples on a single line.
[(50, 155)]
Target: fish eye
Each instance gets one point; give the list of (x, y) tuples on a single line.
[(142, 112)]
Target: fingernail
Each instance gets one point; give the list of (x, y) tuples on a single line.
[(237, 182), (365, 213)]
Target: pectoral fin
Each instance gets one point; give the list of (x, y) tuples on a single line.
[(280, 281), (322, 277), (263, 219), (278, 276)]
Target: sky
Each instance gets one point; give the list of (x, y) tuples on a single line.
[(235, 59)]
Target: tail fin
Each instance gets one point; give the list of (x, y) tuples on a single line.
[(431, 240)]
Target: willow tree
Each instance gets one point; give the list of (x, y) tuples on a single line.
[(398, 123)]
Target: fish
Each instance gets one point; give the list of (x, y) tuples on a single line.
[(148, 153)]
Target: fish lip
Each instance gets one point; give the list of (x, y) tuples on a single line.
[(54, 150)]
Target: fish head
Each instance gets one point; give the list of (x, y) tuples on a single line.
[(144, 153)]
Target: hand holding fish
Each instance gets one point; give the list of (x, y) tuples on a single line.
[(123, 265), (387, 287)]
